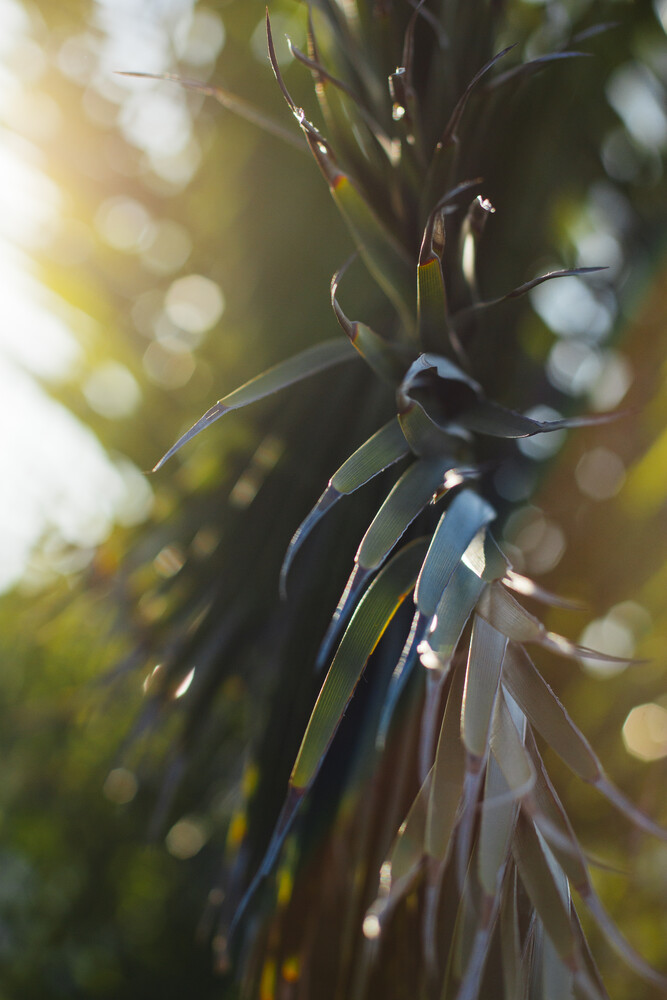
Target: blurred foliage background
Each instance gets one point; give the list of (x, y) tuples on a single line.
[(182, 250)]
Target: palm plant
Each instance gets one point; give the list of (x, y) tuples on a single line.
[(421, 847)]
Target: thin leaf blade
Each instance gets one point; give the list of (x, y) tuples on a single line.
[(467, 513), (371, 618), (386, 447), (309, 362)]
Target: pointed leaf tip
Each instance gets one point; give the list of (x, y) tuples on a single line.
[(273, 59), (211, 415), (330, 496), (309, 362), (231, 102)]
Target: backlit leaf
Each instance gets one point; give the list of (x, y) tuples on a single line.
[(545, 891), (381, 252), (505, 613), (309, 362), (231, 102), (547, 714), (431, 295), (507, 746), (380, 355), (485, 661)]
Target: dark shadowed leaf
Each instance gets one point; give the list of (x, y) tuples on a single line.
[(510, 940), (448, 771), (549, 895), (386, 447), (520, 73), (486, 417), (526, 287), (401, 675), (323, 78), (450, 133)]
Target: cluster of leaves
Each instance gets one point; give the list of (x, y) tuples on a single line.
[(421, 831)]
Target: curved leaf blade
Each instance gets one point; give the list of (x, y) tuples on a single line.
[(450, 133), (424, 437), (448, 772), (431, 293), (545, 892), (524, 70), (400, 676), (415, 489), (457, 527), (386, 447), (231, 102), (503, 611), (324, 504), (485, 661), (494, 420), (372, 616), (380, 355), (299, 366), (382, 253), (554, 824), (485, 557), (546, 713), (527, 286), (451, 616)]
